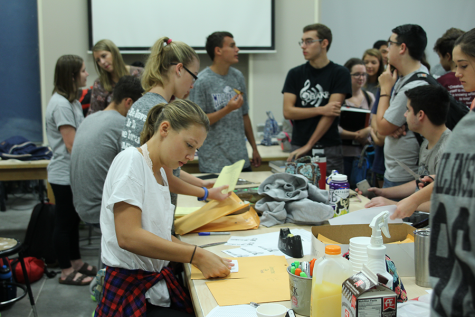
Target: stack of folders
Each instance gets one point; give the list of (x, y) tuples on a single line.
[(353, 119), (277, 166)]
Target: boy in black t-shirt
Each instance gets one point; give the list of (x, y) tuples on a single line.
[(313, 94)]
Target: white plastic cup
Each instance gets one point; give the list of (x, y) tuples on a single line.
[(358, 253), (360, 241), (358, 248), (271, 310), (357, 258)]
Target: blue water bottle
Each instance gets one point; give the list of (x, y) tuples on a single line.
[(7, 291)]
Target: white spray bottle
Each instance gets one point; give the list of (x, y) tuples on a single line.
[(376, 249)]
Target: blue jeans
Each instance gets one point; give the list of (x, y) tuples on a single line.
[(387, 183)]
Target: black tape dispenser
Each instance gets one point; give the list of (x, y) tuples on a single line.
[(290, 244)]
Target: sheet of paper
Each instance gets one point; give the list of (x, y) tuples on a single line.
[(363, 216), (235, 268), (233, 311), (246, 251), (229, 176), (267, 242)]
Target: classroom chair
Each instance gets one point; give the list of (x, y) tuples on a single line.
[(9, 247)]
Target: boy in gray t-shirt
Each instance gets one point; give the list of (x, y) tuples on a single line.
[(96, 144), (221, 92), (426, 113)]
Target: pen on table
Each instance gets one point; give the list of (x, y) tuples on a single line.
[(212, 233)]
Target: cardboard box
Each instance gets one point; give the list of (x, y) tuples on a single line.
[(363, 295), (402, 254)]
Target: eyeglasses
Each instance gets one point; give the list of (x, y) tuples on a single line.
[(357, 75), (308, 42), (195, 78), (392, 42)]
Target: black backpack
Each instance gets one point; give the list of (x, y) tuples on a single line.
[(39, 234), (457, 109)]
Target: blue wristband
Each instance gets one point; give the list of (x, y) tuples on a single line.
[(205, 196)]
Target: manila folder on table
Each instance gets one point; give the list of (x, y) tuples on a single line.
[(266, 280), (209, 213)]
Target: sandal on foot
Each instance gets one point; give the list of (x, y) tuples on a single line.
[(69, 280), (85, 271)]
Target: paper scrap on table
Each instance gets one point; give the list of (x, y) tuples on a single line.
[(266, 244), (363, 216), (251, 267), (235, 268), (229, 176), (262, 279), (233, 311)]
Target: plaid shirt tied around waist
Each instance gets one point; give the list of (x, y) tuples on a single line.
[(124, 292)]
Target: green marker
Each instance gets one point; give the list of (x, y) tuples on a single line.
[(292, 270), (302, 274), (297, 264)]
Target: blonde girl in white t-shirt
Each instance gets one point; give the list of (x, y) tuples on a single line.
[(137, 215)]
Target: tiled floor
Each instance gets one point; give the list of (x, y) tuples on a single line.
[(52, 299)]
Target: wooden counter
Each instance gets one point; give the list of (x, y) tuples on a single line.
[(14, 170)]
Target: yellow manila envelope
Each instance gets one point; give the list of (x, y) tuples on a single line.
[(253, 267), (245, 221), (266, 280), (209, 213), (183, 211), (229, 176)]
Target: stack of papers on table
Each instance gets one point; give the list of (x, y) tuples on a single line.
[(266, 244)]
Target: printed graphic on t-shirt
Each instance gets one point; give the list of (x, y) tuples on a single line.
[(312, 95), (450, 247), (135, 119), (220, 100)]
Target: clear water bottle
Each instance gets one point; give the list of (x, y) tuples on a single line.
[(7, 291)]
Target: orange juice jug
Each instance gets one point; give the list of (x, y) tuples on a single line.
[(329, 273)]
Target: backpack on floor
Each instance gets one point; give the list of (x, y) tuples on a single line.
[(35, 268), (39, 234), (457, 109)]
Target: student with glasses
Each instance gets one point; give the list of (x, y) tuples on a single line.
[(406, 47), (360, 99), (170, 73), (221, 93), (313, 94)]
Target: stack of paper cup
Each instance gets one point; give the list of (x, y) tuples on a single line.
[(358, 254)]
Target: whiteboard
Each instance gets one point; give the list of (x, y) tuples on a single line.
[(136, 25)]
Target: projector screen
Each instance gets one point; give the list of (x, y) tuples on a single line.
[(136, 25)]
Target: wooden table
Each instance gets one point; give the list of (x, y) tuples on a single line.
[(268, 153), (203, 300), (14, 170)]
